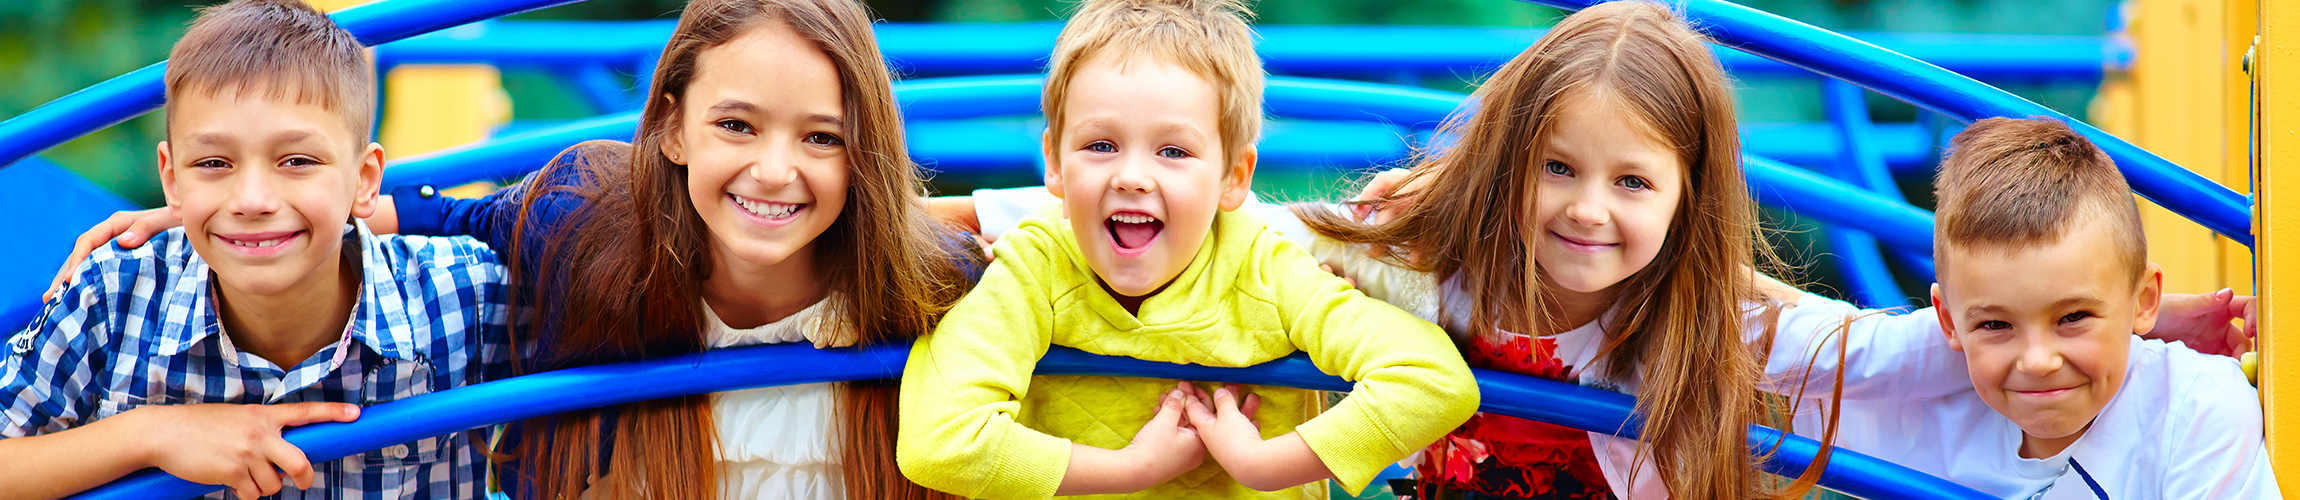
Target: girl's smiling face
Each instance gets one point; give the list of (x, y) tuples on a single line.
[(1606, 189), (760, 134)]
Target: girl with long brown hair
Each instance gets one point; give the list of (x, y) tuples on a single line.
[(1597, 232), (768, 199)]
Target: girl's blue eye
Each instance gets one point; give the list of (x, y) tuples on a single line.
[(736, 126), (1635, 183), (824, 139), (1557, 168), (1174, 153), (1102, 147)]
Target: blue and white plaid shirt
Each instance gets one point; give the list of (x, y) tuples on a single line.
[(139, 327)]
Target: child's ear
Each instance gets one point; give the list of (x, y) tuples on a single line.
[(1238, 184), (1948, 325), (2151, 296), (168, 178), (370, 180), (1053, 168), (674, 147)]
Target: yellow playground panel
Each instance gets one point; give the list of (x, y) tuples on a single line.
[(2276, 114)]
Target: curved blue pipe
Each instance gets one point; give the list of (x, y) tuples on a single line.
[(930, 99), (549, 393), (1928, 86), (950, 49), (126, 96), (1890, 221)]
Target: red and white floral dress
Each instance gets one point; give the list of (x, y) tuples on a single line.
[(1514, 457)]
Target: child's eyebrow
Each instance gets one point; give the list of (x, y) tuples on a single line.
[(1983, 308), (731, 106), (226, 139), (2078, 300)]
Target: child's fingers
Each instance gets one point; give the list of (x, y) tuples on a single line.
[(1169, 414), (294, 414), (1226, 399), (1200, 415), (158, 220), (290, 460), (265, 480), (1253, 405)]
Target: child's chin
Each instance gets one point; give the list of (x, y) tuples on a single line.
[(1134, 281)]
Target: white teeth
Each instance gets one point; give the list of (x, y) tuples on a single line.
[(766, 209), (1132, 218), (258, 244)]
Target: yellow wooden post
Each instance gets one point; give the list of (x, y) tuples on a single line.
[(2184, 98), (2276, 225)]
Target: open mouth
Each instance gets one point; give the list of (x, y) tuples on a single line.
[(259, 243), (768, 210), (1133, 231)]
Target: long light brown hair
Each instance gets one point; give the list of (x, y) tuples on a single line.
[(1679, 319), (624, 280)]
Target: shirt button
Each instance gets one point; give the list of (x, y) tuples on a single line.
[(396, 451), (427, 191)]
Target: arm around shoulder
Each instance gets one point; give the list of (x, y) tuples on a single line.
[(1412, 385)]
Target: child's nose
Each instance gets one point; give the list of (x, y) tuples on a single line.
[(1587, 210), (1132, 177), (2039, 359), (254, 196), (774, 167)]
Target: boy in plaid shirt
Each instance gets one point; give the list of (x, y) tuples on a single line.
[(272, 307)]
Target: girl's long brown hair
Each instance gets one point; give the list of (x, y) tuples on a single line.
[(623, 281), (1679, 320)]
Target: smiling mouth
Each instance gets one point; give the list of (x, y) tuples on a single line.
[(259, 243), (1133, 231), (2045, 393), (767, 209), (1581, 245)]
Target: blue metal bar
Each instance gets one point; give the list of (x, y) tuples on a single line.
[(1857, 255), (1383, 52), (976, 147), (1892, 222), (720, 370), (127, 96), (1931, 87)]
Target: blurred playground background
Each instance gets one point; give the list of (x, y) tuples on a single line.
[(54, 47), (2171, 76)]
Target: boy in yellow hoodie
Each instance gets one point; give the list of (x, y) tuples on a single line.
[(1152, 109)]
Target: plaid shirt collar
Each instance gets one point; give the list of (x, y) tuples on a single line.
[(379, 317)]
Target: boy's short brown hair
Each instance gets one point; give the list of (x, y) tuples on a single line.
[(1207, 37), (2017, 183), (283, 47)]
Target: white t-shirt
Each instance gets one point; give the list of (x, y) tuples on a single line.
[(1895, 357), (774, 442), (2185, 425)]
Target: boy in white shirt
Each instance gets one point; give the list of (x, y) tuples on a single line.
[(2044, 278)]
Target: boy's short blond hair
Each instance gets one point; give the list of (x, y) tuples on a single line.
[(281, 47), (1207, 37), (2014, 184)]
